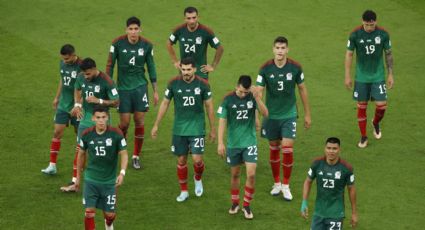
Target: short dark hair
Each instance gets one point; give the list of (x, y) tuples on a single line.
[(87, 63), (369, 15), (333, 140), (133, 20), (188, 61), (67, 49), (281, 39), (190, 9), (245, 81), (100, 109)]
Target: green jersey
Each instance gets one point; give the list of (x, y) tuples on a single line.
[(102, 154), (189, 98), (331, 181), (194, 44), (131, 60), (369, 51), (101, 86), (240, 116), (68, 76), (280, 87)]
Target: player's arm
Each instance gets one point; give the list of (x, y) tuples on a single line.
[(161, 112), (77, 111), (124, 161), (260, 90), (217, 57), (304, 98), (110, 63), (306, 193), (389, 62), (58, 93), (152, 76), (172, 53), (257, 93), (353, 198), (80, 164), (210, 113), (348, 62), (221, 148)]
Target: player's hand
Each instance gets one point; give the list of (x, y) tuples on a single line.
[(212, 135), (177, 65), (155, 98), (307, 122), (354, 220), (221, 150), (348, 83), (390, 81), (304, 209), (154, 132), (55, 103), (206, 68), (92, 99), (77, 112), (119, 181), (255, 92)]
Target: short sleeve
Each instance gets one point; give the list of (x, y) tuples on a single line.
[(174, 37), (79, 82), (261, 78), (222, 110), (112, 92), (206, 92), (387, 42), (83, 143), (351, 43), (312, 171), (213, 41), (350, 177), (169, 92), (122, 143), (300, 77)]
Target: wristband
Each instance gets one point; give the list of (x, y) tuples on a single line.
[(100, 101), (122, 172), (304, 205), (77, 105)]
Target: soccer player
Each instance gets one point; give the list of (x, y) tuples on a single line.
[(92, 88), (64, 102), (132, 52), (332, 174), (191, 93), (370, 42), (193, 40), (237, 112), (101, 144), (280, 76)]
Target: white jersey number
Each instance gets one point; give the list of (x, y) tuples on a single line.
[(242, 114), (370, 49), (100, 151), (328, 183), (189, 48), (188, 101), (132, 60)]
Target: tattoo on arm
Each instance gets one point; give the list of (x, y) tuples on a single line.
[(389, 60)]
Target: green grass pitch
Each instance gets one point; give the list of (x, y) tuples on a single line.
[(389, 173)]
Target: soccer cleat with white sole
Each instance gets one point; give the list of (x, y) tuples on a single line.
[(199, 189), (362, 143), (276, 189), (184, 195), (136, 163), (376, 131), (286, 192), (110, 227), (50, 170), (234, 209), (248, 213)]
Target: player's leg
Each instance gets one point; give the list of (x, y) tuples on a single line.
[(249, 189), (270, 130), (234, 159), (180, 148), (379, 95), (362, 95), (90, 199), (55, 145), (109, 220), (139, 134), (197, 144), (89, 223), (107, 203), (333, 223), (289, 130), (318, 223)]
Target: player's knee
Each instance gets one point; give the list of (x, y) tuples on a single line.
[(58, 133), (124, 126), (90, 213), (250, 177)]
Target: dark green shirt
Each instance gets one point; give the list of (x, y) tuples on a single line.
[(68, 75)]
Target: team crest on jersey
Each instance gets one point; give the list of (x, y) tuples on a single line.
[(74, 74), (289, 76), (109, 142), (249, 104), (97, 89), (198, 40), (197, 91), (337, 175), (378, 40), (141, 52)]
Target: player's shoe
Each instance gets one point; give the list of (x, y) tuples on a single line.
[(184, 195), (376, 131), (69, 188), (248, 213), (110, 227), (286, 192), (276, 189), (234, 209), (50, 170), (199, 189), (136, 163), (362, 143)]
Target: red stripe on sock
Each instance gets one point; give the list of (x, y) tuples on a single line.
[(287, 162), (249, 195), (198, 168), (235, 196), (379, 113), (182, 175), (362, 118), (275, 162), (55, 146)]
